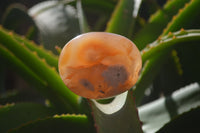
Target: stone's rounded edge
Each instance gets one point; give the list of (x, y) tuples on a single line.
[(91, 86)]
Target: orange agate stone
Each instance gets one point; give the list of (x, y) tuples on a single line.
[(99, 65)]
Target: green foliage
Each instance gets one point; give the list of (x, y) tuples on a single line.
[(46, 73), (167, 33), (178, 38), (57, 123), (157, 22), (13, 115), (184, 17), (122, 15)]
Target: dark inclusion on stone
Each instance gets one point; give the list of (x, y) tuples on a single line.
[(86, 84), (115, 75), (101, 91)]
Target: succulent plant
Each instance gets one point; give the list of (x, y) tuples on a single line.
[(101, 87)]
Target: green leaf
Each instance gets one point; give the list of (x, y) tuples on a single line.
[(98, 12), (50, 58), (149, 7), (20, 95), (100, 5), (118, 116), (153, 59), (182, 123), (148, 73), (18, 66), (157, 22), (122, 19), (81, 17), (170, 77), (46, 73), (187, 18), (56, 21), (10, 59), (157, 113), (13, 115), (57, 123), (169, 41)]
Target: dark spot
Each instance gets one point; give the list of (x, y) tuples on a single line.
[(114, 75), (102, 91), (118, 74), (99, 86), (86, 84)]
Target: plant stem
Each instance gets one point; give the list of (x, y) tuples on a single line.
[(123, 120)]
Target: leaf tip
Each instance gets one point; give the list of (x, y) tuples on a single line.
[(170, 34)]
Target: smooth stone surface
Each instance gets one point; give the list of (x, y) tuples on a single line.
[(99, 65)]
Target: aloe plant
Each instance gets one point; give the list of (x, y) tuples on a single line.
[(166, 97)]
